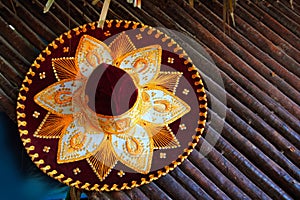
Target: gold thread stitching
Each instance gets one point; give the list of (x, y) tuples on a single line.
[(125, 185)]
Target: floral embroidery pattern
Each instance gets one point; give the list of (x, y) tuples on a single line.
[(102, 140)]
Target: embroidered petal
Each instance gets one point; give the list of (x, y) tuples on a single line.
[(121, 45), (65, 68), (134, 149), (57, 98), (104, 159), (90, 53), (77, 144), (162, 136), (143, 64), (53, 126), (168, 80), (165, 107)]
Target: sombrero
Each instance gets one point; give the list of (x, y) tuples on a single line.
[(112, 108)]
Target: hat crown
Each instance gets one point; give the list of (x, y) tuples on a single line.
[(110, 90)]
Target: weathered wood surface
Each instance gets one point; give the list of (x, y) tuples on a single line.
[(257, 154)]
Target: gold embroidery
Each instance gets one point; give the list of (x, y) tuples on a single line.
[(77, 141), (52, 173), (92, 25), (46, 149), (150, 31), (21, 106), (36, 114), (139, 36), (177, 48), (66, 49), (127, 23), (151, 176), (75, 184), (121, 173), (85, 186), (29, 81), (118, 24), (67, 181), (30, 72), (26, 89), (46, 168), (123, 124), (170, 60), (54, 45), (133, 146), (21, 97), (107, 33), (34, 156), (182, 126), (38, 163), (185, 92), (140, 65), (76, 171), (168, 80), (162, 106), (62, 97), (20, 115), (95, 187), (135, 25), (158, 34), (29, 149), (104, 160), (41, 58), (162, 136), (47, 51), (121, 45), (21, 123), (65, 68), (109, 22), (145, 97), (163, 155), (53, 126), (23, 132), (93, 58), (83, 27), (59, 177), (60, 39), (68, 34)]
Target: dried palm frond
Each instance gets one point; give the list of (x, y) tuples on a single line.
[(48, 5), (228, 8), (228, 11)]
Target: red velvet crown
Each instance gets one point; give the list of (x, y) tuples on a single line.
[(110, 90)]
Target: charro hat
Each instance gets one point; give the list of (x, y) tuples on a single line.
[(112, 108)]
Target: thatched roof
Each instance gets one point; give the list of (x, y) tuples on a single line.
[(257, 154)]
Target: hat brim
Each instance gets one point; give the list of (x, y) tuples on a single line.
[(37, 122)]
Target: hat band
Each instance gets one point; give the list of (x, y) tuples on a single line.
[(124, 122)]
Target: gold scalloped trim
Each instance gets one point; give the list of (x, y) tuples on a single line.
[(69, 181)]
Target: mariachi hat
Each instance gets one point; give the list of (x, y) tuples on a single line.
[(112, 108)]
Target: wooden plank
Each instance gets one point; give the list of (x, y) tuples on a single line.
[(17, 41), (265, 58), (21, 27), (48, 19), (154, 192), (36, 25), (173, 188), (19, 63), (189, 184)]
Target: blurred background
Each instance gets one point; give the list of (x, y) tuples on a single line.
[(20, 178)]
